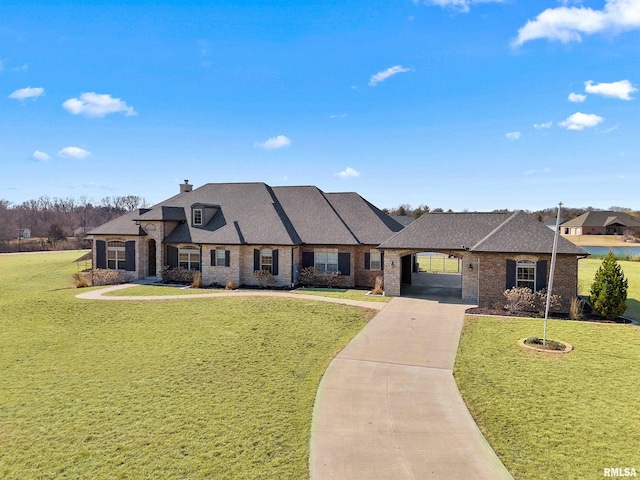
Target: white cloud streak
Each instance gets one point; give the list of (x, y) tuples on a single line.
[(40, 156), (389, 72), (622, 89), (539, 126), (91, 104), (513, 135), (580, 121), (348, 173), (569, 24), (76, 153), (28, 92), (459, 5), (281, 141), (576, 97)]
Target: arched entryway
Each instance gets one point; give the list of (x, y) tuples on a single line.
[(152, 272), (425, 274)]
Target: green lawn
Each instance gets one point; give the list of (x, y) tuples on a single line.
[(217, 388), (344, 293), (587, 268), (554, 416), (148, 290), (438, 263)]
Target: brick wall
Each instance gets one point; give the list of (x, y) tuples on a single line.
[(283, 279), (220, 274)]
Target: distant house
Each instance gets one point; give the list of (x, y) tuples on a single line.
[(24, 233), (229, 231), (601, 223)]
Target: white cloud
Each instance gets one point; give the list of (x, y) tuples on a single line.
[(342, 115), (576, 97), (27, 92), (568, 24), (621, 89), (40, 156), (513, 135), (539, 126), (580, 121), (348, 173), (74, 152), (529, 172), (273, 143), (389, 72), (460, 5), (21, 68), (93, 104)]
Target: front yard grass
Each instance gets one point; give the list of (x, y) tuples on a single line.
[(343, 293), (163, 290), (587, 268), (218, 388), (553, 416)]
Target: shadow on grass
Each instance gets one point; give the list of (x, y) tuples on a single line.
[(633, 309)]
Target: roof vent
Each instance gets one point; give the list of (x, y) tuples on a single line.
[(186, 187)]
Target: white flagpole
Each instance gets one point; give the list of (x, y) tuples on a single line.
[(553, 267)]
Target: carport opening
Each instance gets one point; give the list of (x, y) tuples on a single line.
[(427, 274)]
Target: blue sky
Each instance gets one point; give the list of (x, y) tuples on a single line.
[(450, 103)]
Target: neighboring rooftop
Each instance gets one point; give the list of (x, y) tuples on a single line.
[(602, 219)]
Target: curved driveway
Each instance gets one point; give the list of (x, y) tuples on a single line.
[(388, 406)]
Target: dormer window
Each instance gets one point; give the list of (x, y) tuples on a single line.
[(197, 216)]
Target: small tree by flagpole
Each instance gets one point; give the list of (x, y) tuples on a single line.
[(553, 266)]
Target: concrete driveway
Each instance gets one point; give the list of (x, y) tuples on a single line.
[(388, 407)]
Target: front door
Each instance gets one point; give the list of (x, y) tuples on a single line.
[(152, 258)]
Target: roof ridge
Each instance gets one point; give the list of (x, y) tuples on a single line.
[(497, 229), (322, 193)]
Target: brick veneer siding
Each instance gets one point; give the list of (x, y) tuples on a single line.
[(220, 275), (363, 277), (346, 281), (283, 279), (493, 272)]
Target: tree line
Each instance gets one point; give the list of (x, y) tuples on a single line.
[(543, 215), (49, 223)]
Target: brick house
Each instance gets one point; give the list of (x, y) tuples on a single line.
[(498, 251), (230, 230), (601, 223)]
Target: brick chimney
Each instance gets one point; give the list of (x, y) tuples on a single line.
[(185, 187)]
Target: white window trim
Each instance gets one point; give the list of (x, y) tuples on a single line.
[(190, 252), (221, 257), (197, 210), (119, 252), (266, 254), (375, 259), (530, 283), (322, 265)]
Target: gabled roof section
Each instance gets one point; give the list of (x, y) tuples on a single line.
[(602, 219), (367, 223), (122, 225), (480, 232), (312, 216)]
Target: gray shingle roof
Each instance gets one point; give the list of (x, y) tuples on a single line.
[(480, 232), (254, 213), (602, 219)]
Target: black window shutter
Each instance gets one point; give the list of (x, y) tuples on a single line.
[(213, 257), (381, 260), (256, 259), (227, 258), (130, 256), (101, 254), (511, 274), (541, 275), (367, 261), (307, 259), (172, 256), (344, 263), (274, 262)]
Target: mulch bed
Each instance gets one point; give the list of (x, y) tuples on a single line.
[(588, 316)]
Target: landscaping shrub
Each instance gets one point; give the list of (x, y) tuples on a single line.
[(177, 275), (197, 280), (519, 299), (540, 302), (265, 277), (609, 289), (82, 279), (311, 277), (105, 276), (231, 285), (576, 310)]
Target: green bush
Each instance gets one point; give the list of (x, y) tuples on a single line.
[(609, 289)]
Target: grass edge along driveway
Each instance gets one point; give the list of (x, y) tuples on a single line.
[(553, 416), (220, 388)]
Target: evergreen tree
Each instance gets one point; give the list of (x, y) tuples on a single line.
[(609, 290)]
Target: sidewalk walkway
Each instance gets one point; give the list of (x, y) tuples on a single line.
[(388, 406)]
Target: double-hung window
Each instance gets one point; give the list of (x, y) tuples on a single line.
[(221, 257), (116, 255), (189, 258), (197, 216), (326, 260), (266, 260), (375, 262), (526, 274)]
